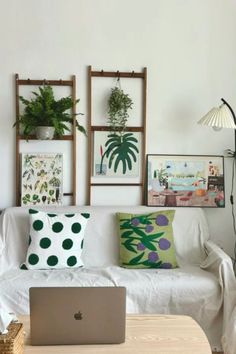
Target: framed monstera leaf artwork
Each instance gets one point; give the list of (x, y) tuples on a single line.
[(116, 155), (41, 179)]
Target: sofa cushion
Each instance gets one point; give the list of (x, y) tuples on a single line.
[(146, 240), (56, 240)]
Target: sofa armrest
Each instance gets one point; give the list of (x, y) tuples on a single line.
[(219, 263), (216, 257)]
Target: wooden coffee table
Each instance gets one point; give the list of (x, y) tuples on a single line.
[(160, 334)]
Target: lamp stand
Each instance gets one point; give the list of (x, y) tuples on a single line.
[(232, 112)]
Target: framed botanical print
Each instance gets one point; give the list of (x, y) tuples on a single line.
[(41, 179), (185, 180)]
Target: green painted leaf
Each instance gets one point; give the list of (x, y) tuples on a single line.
[(136, 260), (152, 264), (139, 232), (155, 236), (143, 219), (126, 225), (128, 134), (121, 150), (129, 247), (127, 234), (148, 244)]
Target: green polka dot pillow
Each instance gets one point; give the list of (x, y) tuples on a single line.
[(55, 241), (146, 241)]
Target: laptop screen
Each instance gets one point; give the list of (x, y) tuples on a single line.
[(77, 315)]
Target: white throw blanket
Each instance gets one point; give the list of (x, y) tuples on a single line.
[(219, 264), (203, 287)]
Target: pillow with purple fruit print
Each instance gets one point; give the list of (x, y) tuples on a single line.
[(146, 241)]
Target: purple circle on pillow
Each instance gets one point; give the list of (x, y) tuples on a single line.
[(166, 265), (153, 256), (161, 220), (135, 221), (149, 228), (164, 244), (140, 246)]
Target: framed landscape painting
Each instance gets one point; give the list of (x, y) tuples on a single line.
[(185, 181), (41, 179)]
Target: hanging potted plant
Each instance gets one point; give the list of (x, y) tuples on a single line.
[(45, 116), (119, 104), (120, 148)]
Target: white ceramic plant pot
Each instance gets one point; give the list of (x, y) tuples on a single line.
[(156, 185), (45, 133)]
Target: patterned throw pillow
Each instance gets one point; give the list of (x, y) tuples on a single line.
[(55, 241), (146, 241)]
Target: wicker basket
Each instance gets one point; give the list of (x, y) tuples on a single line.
[(13, 341)]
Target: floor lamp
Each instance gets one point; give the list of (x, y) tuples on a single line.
[(221, 117), (218, 118)]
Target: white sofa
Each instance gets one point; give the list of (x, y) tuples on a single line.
[(203, 286)]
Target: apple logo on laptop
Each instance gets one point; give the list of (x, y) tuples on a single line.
[(78, 316)]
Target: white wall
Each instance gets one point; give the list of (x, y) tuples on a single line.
[(188, 46)]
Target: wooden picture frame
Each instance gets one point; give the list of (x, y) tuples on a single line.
[(112, 163), (185, 181), (41, 179)]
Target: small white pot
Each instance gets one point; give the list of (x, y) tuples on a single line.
[(156, 185), (45, 133)]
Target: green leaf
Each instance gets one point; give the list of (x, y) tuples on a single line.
[(155, 236), (152, 264), (139, 232), (136, 260), (148, 244), (126, 234), (144, 220), (125, 225), (121, 150), (129, 247), (124, 220)]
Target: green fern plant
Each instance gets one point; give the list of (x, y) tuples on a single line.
[(44, 110)]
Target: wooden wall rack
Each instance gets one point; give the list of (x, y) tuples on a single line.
[(92, 128), (72, 137)]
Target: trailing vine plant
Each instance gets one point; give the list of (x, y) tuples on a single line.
[(118, 105), (121, 146)]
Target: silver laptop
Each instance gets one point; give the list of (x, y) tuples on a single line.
[(80, 315)]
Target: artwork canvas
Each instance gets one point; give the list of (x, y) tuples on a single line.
[(41, 179), (116, 156), (185, 180)]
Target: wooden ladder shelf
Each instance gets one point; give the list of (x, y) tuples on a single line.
[(72, 137), (93, 128)]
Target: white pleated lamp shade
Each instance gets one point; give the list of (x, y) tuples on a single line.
[(220, 117)]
